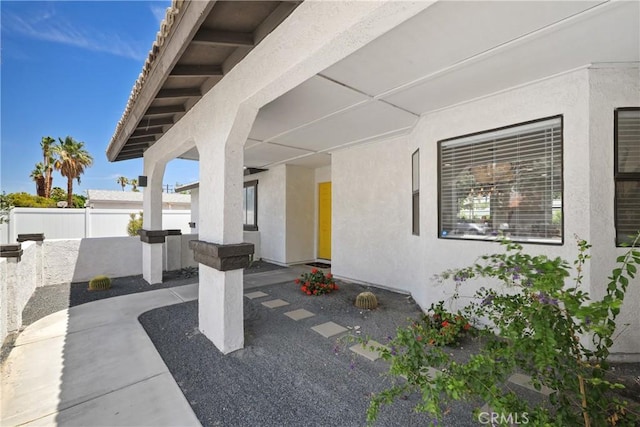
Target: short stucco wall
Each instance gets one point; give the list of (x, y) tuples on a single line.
[(271, 213), (19, 280), (78, 260)]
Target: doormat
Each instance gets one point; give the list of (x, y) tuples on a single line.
[(319, 264)]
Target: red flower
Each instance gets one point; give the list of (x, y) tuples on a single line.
[(304, 288), (419, 338), (466, 327), (329, 276), (296, 281), (308, 292), (314, 270), (335, 287), (315, 292), (445, 324)]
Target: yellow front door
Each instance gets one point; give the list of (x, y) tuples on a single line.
[(324, 220)]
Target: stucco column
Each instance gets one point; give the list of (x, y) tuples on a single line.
[(151, 234), (220, 227)]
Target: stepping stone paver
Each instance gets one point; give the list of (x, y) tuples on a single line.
[(299, 314), (257, 294), (525, 381), (329, 329), (275, 303), (364, 349)]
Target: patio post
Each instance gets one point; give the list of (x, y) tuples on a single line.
[(220, 250), (151, 234)]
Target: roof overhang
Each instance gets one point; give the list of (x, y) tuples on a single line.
[(198, 43)]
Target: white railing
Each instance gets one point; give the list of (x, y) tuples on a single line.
[(81, 223)]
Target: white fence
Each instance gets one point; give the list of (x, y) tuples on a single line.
[(81, 223)]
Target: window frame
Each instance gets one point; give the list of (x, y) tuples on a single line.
[(620, 176), (254, 226), (415, 193), (440, 143)]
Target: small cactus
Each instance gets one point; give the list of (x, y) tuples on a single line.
[(100, 283), (366, 300)]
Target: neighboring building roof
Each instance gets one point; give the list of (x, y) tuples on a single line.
[(187, 187), (131, 196)]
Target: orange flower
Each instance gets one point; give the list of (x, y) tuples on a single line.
[(329, 276), (314, 270), (308, 292), (335, 287), (432, 341), (296, 281), (466, 327), (419, 338), (445, 324)]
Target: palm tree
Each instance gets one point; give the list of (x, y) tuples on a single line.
[(71, 161), (47, 144), (37, 175), (123, 181), (134, 185)]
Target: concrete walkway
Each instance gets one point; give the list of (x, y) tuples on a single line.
[(94, 364)]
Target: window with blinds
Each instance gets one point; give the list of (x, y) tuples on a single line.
[(505, 182), (627, 174)]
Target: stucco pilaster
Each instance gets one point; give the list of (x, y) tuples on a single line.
[(220, 222), (152, 219)]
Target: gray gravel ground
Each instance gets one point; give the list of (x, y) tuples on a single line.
[(287, 374)]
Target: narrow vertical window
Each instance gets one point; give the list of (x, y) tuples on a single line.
[(415, 188), (250, 205), (627, 174)]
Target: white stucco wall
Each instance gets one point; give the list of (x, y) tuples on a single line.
[(371, 227), (372, 240), (18, 282), (610, 88), (271, 213), (300, 209), (78, 260)]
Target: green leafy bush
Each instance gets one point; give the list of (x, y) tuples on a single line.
[(539, 325), (135, 224)]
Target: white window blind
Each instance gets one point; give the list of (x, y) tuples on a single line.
[(506, 182), (627, 174)]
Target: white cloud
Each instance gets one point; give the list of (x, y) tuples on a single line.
[(56, 29), (159, 13)]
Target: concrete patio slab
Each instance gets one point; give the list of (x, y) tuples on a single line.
[(98, 313), (84, 355), (525, 381), (256, 294), (275, 303), (186, 293), (329, 329), (364, 350), (156, 401), (270, 277), (299, 314)]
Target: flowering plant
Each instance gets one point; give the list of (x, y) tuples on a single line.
[(539, 324), (316, 283), (441, 327)]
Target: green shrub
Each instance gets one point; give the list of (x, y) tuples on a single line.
[(539, 325), (135, 224), (100, 283)]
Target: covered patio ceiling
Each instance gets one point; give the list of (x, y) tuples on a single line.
[(450, 53)]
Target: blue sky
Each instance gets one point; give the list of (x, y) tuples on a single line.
[(67, 68)]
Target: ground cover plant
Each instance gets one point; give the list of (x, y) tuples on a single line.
[(541, 322), (316, 283)]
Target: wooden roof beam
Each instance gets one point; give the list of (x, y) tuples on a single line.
[(169, 109), (223, 38), (186, 92), (196, 71), (147, 131), (160, 121)]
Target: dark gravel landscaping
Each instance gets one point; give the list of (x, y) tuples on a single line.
[(287, 374)]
